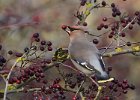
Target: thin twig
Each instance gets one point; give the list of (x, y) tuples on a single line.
[(119, 53), (8, 77), (79, 88)]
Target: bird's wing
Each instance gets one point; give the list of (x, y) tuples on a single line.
[(101, 62), (85, 64), (87, 55)]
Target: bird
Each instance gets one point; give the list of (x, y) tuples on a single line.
[(84, 54), (86, 57)]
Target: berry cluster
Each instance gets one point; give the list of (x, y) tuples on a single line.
[(2, 60), (43, 43)]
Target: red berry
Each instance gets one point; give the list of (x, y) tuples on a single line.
[(123, 34), (110, 35), (125, 81), (64, 27)]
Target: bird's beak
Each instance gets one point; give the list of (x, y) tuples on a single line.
[(69, 29), (66, 29)]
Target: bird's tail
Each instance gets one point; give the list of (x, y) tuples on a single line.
[(103, 76)]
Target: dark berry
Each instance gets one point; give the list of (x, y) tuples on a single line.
[(83, 2), (26, 49), (123, 34), (115, 90), (85, 24), (42, 48), (43, 42), (105, 19), (102, 25), (114, 10), (95, 41), (113, 28), (114, 14), (1, 64), (49, 48), (119, 84), (17, 54), (49, 43), (130, 27), (125, 81), (118, 13), (36, 35), (37, 39), (137, 13), (112, 32), (113, 5), (111, 86), (124, 25), (128, 43), (105, 26), (10, 52), (99, 28), (109, 68), (132, 87), (103, 3), (125, 91), (110, 35), (2, 59), (133, 23)]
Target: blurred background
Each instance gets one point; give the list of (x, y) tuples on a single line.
[(19, 19)]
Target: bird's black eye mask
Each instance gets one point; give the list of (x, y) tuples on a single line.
[(70, 29)]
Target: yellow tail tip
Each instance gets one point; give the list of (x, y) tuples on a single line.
[(104, 81)]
